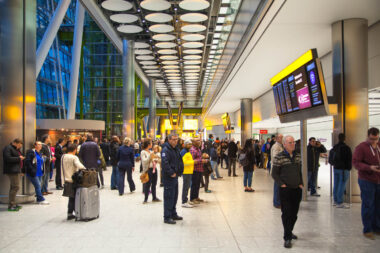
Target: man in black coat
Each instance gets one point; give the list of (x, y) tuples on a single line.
[(89, 153), (105, 146), (232, 154), (13, 165), (313, 154), (58, 155), (47, 156)]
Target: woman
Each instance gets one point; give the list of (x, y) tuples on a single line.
[(126, 163), (69, 165), (248, 169), (34, 170), (147, 163), (214, 161)]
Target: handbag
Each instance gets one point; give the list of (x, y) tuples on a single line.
[(68, 190), (144, 177)]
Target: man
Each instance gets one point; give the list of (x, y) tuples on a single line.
[(366, 160), (89, 153), (208, 144), (341, 159), (198, 171), (265, 150), (47, 156), (58, 155), (223, 156), (13, 164), (188, 164), (313, 154), (232, 154), (275, 150), (105, 146), (271, 143), (114, 147), (172, 167), (287, 173)]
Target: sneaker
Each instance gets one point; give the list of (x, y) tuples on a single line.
[(187, 205), (13, 209), (43, 202), (220, 177), (145, 202), (156, 200), (49, 192), (70, 217), (294, 237), (315, 195), (18, 207), (59, 188), (369, 235), (170, 221), (343, 206), (288, 244)]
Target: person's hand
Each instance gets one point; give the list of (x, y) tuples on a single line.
[(300, 186), (374, 168), (22, 158), (22, 174), (204, 160), (283, 186), (174, 175)]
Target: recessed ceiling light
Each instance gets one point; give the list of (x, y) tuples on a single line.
[(218, 28), (152, 71), (216, 35), (192, 51), (167, 51), (145, 57), (193, 28), (169, 57), (141, 45), (148, 62), (192, 57), (155, 5), (143, 51), (193, 44), (192, 62), (123, 18), (129, 29), (166, 45), (161, 28), (149, 67), (159, 17), (193, 17), (194, 5), (117, 5), (193, 37), (163, 37), (169, 62)]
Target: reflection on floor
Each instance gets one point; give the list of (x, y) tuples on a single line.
[(231, 221)]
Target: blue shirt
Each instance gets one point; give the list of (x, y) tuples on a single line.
[(40, 162), (183, 152)]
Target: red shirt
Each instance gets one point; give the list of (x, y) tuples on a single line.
[(197, 157), (364, 156)]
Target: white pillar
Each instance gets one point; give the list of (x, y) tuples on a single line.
[(50, 34), (75, 60)]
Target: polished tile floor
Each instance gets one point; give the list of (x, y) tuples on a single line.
[(231, 221)]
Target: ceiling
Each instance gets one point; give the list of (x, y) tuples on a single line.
[(298, 26)]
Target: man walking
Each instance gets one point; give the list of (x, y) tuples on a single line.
[(12, 164), (172, 167), (366, 160), (275, 150), (232, 154), (58, 155), (287, 173)]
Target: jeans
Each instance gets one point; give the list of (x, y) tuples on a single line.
[(14, 187), (225, 158), (36, 181), (290, 203), (231, 163), (114, 177), (170, 197), (151, 184), (45, 181), (276, 194), (131, 184), (340, 180), (214, 166), (186, 187), (311, 182), (195, 185), (248, 178), (370, 194)]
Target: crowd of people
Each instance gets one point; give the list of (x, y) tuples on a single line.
[(162, 162)]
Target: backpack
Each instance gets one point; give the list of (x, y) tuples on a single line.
[(335, 157), (243, 159)]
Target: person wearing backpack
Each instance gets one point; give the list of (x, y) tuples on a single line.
[(340, 158), (247, 160)]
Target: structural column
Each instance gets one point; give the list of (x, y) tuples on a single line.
[(303, 131), (350, 87), (75, 60), (152, 109), (128, 97), (246, 119)]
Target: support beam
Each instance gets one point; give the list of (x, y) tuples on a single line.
[(246, 119), (128, 97), (152, 109), (75, 60), (303, 131), (50, 34)]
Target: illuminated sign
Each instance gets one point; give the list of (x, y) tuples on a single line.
[(190, 124), (168, 126)]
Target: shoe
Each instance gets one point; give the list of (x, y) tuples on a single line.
[(278, 207), (213, 178), (377, 232), (342, 206), (44, 202), (101, 187), (44, 193), (18, 207), (161, 185), (49, 192), (156, 200), (250, 190), (200, 200), (334, 204), (288, 244), (208, 191), (235, 175), (315, 195), (318, 187), (113, 188), (220, 177), (59, 188), (145, 202), (294, 237), (170, 221), (13, 209), (51, 180), (70, 217), (121, 194), (246, 190), (187, 205), (369, 235), (177, 218), (194, 202)]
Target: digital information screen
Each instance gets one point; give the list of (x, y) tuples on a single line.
[(299, 89)]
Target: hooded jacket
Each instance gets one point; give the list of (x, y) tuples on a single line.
[(171, 161)]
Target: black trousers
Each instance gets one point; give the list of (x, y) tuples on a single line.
[(290, 203), (207, 180), (71, 206), (231, 163), (195, 185), (170, 197), (121, 183), (58, 177), (151, 184)]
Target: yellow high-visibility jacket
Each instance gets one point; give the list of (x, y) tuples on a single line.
[(188, 163)]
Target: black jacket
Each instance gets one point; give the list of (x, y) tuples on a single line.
[(251, 161), (125, 157), (313, 154), (89, 154), (105, 146), (58, 153), (345, 156), (232, 149), (11, 160), (171, 161), (114, 147)]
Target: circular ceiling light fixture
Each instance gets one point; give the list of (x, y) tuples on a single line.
[(149, 67), (166, 45), (193, 17), (174, 78), (191, 70), (194, 5), (171, 67), (169, 57), (192, 62), (191, 74), (169, 62), (164, 37), (193, 37), (167, 51), (155, 5), (123, 18), (171, 70), (159, 17), (145, 57), (192, 51), (161, 28), (141, 45), (143, 51), (129, 29), (193, 28), (193, 44), (152, 71), (117, 5), (192, 67), (192, 78), (148, 62), (154, 74), (173, 74), (192, 57)]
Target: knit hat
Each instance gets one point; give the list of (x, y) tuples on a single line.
[(188, 141)]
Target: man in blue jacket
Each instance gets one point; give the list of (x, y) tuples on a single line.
[(89, 153), (172, 167)]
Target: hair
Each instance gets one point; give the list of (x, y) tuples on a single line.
[(310, 139), (146, 143), (170, 136), (273, 136), (75, 141), (17, 141), (44, 137), (90, 137), (156, 146), (373, 131), (60, 140), (248, 145), (114, 138), (71, 147), (341, 137), (210, 136), (127, 141), (36, 143), (288, 136)]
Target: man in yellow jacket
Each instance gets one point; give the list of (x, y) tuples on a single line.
[(188, 163)]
